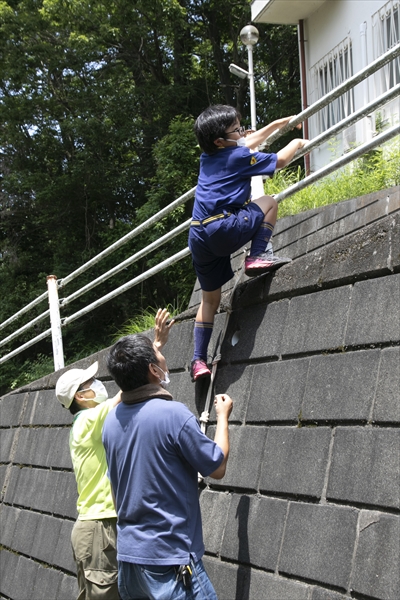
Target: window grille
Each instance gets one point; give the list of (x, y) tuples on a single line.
[(385, 35), (332, 70)]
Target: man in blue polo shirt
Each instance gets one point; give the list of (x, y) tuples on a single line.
[(155, 450)]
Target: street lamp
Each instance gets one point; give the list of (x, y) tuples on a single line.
[(249, 36)]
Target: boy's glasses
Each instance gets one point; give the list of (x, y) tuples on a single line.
[(239, 130)]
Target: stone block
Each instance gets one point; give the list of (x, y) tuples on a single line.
[(295, 250), (374, 312), (367, 199), (365, 467), (47, 583), (363, 252), (62, 553), (8, 519), (184, 391), (245, 453), (343, 209), (214, 511), (63, 497), (25, 530), (316, 321), (395, 243), (8, 565), (376, 568), (377, 209), (24, 579), (46, 538), (341, 387), (387, 405), (277, 390), (49, 491), (7, 437), (265, 586), (295, 460), (236, 381), (253, 531), (319, 543), (321, 594), (178, 351), (112, 388), (214, 346), (3, 472), (11, 409), (44, 446), (316, 240), (251, 292), (257, 332), (394, 201), (354, 222), (308, 226), (326, 216), (301, 276), (68, 588), (230, 581), (43, 408)]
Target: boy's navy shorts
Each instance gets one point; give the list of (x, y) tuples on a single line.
[(212, 244)]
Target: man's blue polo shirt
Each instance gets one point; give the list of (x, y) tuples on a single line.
[(155, 450)]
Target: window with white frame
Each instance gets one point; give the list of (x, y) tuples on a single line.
[(385, 35), (332, 70)]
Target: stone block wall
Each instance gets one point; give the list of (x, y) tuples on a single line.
[(309, 507)]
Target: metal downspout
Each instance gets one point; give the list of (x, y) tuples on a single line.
[(304, 96)]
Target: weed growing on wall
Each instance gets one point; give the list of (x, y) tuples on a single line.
[(375, 171)]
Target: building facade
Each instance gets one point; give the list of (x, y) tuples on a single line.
[(336, 40)]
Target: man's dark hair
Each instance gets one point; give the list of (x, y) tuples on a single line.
[(212, 124), (74, 407), (129, 359)]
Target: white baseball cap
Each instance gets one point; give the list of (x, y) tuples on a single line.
[(70, 381)]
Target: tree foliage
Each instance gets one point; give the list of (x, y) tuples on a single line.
[(97, 106)]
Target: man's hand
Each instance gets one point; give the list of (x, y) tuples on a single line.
[(162, 328), (223, 405)]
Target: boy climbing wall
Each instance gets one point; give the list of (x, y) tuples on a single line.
[(224, 217)]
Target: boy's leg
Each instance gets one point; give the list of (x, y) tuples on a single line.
[(262, 258), (269, 206), (203, 327)]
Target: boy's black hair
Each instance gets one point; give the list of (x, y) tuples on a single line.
[(129, 359), (212, 123)]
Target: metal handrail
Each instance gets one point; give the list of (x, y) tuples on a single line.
[(335, 93)]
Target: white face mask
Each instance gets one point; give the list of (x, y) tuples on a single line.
[(100, 391), (166, 381), (241, 142)]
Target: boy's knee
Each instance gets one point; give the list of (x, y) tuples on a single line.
[(266, 203)]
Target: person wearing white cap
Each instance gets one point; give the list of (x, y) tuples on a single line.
[(94, 534)]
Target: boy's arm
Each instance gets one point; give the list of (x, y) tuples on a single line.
[(253, 140), (287, 153)]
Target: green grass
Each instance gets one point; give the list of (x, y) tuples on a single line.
[(375, 171), (144, 321)]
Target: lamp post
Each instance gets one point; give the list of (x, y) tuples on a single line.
[(249, 36)]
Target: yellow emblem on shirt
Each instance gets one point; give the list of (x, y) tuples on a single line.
[(253, 160)]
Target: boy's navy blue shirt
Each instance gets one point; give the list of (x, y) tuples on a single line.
[(155, 450), (224, 179)]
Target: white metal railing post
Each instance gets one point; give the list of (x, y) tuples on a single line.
[(55, 322)]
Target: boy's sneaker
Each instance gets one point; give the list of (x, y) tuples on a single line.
[(199, 369), (264, 262)]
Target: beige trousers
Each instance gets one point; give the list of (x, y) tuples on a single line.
[(95, 554)]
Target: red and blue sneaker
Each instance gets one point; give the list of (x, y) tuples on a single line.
[(199, 369), (264, 263)]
